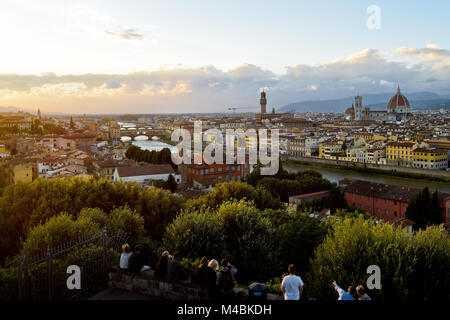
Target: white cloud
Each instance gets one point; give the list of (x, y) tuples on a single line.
[(205, 89)]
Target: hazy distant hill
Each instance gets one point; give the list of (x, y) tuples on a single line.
[(418, 100)]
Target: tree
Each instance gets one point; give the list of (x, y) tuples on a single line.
[(58, 230), (296, 237), (414, 266), (235, 190), (23, 206), (171, 184), (235, 230), (424, 210)]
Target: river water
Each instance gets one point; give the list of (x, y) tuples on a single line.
[(153, 145), (334, 175)]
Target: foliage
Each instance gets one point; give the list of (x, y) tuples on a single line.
[(235, 190), (413, 266), (190, 264), (235, 230), (8, 283), (119, 221), (274, 285), (58, 230), (296, 237), (334, 201), (301, 183), (23, 206), (154, 157), (424, 209)]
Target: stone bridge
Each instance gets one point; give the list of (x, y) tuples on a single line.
[(133, 133)]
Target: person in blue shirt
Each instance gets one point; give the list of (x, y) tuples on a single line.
[(362, 295), (344, 295)]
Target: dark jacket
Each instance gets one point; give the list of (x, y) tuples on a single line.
[(161, 267), (135, 263)]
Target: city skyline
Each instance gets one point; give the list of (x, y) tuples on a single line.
[(102, 57)]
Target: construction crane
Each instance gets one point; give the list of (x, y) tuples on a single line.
[(236, 108)]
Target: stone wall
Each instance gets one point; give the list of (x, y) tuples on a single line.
[(147, 283), (425, 172)]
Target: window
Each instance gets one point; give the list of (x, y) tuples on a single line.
[(386, 211)]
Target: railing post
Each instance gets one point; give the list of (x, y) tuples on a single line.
[(49, 272), (105, 250), (23, 273), (79, 246)]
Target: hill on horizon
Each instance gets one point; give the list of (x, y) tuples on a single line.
[(418, 100)]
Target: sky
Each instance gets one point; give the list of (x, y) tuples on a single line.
[(203, 56)]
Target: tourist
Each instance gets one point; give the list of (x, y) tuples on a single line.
[(125, 256), (207, 277), (343, 295), (214, 264), (362, 295), (292, 285), (225, 280), (161, 267), (175, 271), (136, 261)]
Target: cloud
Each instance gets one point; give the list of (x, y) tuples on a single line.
[(431, 53), (127, 34), (86, 20), (207, 89)]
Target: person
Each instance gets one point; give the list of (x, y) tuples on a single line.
[(175, 271), (125, 256), (214, 265), (136, 261), (362, 295), (161, 267), (342, 294), (292, 285), (207, 277), (225, 280), (201, 274)]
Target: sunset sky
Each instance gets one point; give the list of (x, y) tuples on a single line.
[(203, 56)]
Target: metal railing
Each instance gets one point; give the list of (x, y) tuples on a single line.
[(43, 275)]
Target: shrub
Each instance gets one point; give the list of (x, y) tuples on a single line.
[(59, 230), (235, 190), (413, 265), (235, 230)]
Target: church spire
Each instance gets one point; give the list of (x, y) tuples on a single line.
[(398, 89)]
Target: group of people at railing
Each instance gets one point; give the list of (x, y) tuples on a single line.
[(219, 283)]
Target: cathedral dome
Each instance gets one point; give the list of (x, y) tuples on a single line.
[(398, 103)]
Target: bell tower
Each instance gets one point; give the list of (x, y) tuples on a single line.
[(263, 102), (358, 108)]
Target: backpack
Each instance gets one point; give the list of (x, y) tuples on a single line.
[(226, 283)]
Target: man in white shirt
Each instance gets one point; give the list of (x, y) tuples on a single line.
[(292, 285)]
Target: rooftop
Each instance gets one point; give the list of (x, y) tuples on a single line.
[(151, 169)]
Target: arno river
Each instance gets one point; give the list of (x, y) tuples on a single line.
[(334, 175)]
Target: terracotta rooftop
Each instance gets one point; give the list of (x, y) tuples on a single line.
[(379, 190), (151, 169)]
